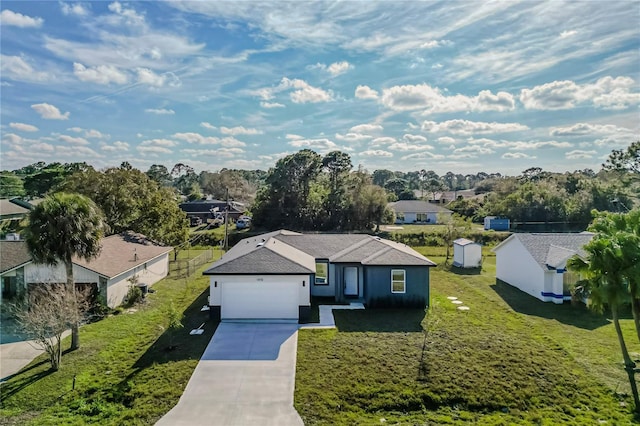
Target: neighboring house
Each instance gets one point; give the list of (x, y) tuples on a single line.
[(466, 253), (273, 276), (206, 209), (496, 223), (537, 263), (9, 210), (122, 257), (412, 211), (447, 196)]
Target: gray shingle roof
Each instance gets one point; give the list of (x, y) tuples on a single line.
[(286, 252), (553, 249), (13, 254), (416, 206)]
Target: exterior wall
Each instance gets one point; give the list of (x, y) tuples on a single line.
[(216, 282), (35, 274), (515, 266), (328, 290), (553, 287), (338, 278), (409, 218), (154, 271), (468, 256), (16, 287), (378, 284)]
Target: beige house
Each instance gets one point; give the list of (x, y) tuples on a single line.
[(122, 258)]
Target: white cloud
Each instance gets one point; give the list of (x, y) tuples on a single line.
[(568, 33), (154, 150), (404, 146), (76, 9), (102, 74), (156, 146), (338, 68), (239, 130), (352, 137), (516, 156), (366, 128), (583, 129), (50, 112), (446, 140), (466, 127), (376, 153), (117, 146), (10, 18), (197, 138), (384, 140), (160, 111), (414, 138), (322, 144), (302, 92), (579, 154), (366, 92), (607, 93), (291, 136), (265, 104), (474, 149), (148, 77), (17, 68), (158, 142), (433, 100), (523, 146), (23, 127), (73, 140), (220, 152), (423, 156), (208, 126)]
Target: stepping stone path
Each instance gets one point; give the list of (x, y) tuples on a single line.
[(455, 301)]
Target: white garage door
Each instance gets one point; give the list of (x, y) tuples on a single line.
[(259, 300)]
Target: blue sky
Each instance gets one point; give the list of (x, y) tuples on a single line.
[(452, 86)]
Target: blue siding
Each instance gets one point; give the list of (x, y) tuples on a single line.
[(378, 285)]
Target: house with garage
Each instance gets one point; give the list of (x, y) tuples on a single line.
[(125, 259), (417, 212), (537, 263), (273, 276)]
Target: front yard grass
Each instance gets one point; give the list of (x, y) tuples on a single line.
[(509, 360), (123, 372)]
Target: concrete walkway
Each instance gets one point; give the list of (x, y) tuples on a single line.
[(327, 319), (15, 356), (246, 376)]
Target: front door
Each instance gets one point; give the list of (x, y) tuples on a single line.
[(351, 281)]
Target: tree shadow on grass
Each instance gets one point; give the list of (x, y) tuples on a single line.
[(184, 345), (379, 320), (575, 315), (8, 389)]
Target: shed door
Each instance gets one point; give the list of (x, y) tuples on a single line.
[(259, 300), (351, 281)]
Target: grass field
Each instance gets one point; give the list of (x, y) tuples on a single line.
[(511, 359), (123, 372)]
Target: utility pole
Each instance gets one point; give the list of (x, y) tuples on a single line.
[(226, 224)]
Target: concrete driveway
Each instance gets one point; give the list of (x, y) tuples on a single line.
[(246, 376)]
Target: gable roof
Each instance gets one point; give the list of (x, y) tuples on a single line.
[(123, 252), (464, 242), (13, 254), (285, 252), (8, 208), (551, 250), (417, 206)]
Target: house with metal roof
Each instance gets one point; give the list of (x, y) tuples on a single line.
[(417, 211), (124, 259), (273, 276), (537, 263)]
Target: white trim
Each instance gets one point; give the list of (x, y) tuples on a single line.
[(404, 281)]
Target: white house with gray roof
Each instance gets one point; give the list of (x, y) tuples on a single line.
[(537, 263), (273, 276), (416, 211)]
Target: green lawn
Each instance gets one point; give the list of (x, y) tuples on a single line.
[(509, 360), (123, 372)]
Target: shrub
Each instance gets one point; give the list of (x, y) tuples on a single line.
[(134, 296)]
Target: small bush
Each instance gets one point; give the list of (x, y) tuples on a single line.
[(134, 296)]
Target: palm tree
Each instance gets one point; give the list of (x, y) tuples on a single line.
[(606, 284), (61, 227)]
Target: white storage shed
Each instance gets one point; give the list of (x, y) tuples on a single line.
[(466, 253)]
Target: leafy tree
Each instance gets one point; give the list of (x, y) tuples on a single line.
[(217, 184), (396, 186), (369, 203), (159, 174), (130, 200), (337, 164), (605, 282), (625, 160), (454, 227), (174, 322), (380, 177), (11, 185), (183, 177), (61, 227)]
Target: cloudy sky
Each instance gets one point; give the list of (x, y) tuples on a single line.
[(461, 86)]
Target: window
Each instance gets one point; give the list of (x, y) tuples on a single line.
[(421, 217), (322, 273), (398, 284)]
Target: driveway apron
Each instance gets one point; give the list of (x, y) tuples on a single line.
[(246, 376)]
